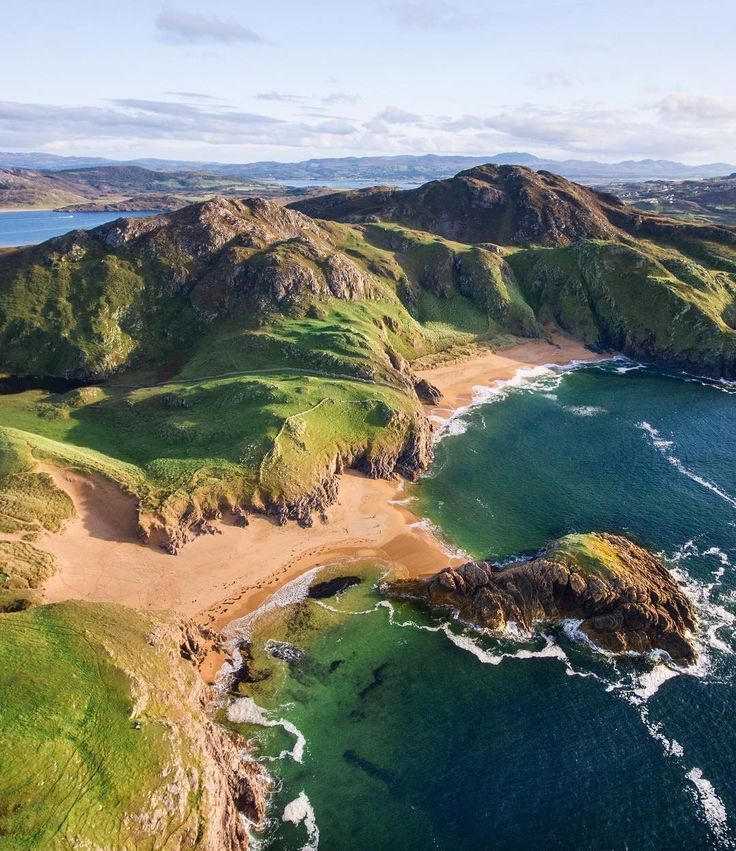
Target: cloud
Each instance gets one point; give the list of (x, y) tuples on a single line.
[(557, 77), (432, 15), (281, 97), (585, 131), (683, 106), (340, 97), (27, 125), (328, 100), (193, 96), (183, 27), (393, 115)]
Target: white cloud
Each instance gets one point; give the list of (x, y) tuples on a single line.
[(432, 15), (184, 27), (672, 128), (683, 106)]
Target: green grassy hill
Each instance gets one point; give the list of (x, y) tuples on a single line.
[(103, 738), (248, 352)]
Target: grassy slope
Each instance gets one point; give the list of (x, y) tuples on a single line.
[(260, 406), (96, 731), (669, 304), (255, 413)]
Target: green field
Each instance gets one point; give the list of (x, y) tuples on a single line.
[(102, 743)]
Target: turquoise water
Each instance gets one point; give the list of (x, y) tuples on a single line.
[(34, 226), (395, 729)]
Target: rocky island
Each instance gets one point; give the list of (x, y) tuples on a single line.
[(624, 596)]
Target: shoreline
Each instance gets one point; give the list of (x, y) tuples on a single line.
[(219, 578)]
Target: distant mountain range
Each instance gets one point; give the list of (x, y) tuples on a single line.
[(402, 168), (120, 187)]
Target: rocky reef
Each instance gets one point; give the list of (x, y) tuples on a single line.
[(624, 596)]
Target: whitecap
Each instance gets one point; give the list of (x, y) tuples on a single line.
[(300, 811), (714, 809), (584, 410), (649, 683), (551, 650), (663, 445), (545, 378), (245, 710), (291, 592)]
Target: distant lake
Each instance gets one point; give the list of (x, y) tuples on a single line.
[(30, 228)]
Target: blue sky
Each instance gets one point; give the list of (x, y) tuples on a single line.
[(240, 81)]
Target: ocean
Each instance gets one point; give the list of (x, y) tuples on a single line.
[(30, 227), (385, 726)]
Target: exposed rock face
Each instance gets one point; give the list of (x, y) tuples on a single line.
[(146, 287), (409, 458), (231, 783), (506, 204), (625, 597), (427, 392)]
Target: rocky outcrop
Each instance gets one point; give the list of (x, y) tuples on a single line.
[(111, 743), (427, 392), (236, 783), (408, 457), (624, 596)]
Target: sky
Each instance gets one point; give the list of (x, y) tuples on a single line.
[(239, 80)]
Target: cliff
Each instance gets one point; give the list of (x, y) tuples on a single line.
[(107, 742), (624, 596)]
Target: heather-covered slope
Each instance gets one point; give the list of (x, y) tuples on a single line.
[(250, 352), (507, 205)]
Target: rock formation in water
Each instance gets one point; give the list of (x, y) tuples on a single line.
[(624, 596)]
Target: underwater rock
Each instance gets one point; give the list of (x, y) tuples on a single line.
[(331, 587)]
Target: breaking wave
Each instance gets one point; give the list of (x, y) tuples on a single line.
[(664, 446)]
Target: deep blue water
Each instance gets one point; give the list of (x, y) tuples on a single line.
[(32, 227), (420, 733)]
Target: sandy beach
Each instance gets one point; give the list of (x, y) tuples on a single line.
[(218, 578)]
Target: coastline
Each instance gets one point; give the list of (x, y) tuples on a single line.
[(219, 578)]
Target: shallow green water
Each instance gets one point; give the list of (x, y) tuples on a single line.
[(420, 734)]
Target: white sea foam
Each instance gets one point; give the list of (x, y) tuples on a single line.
[(650, 682), (245, 710), (291, 592), (300, 811), (551, 650), (664, 445), (545, 378), (717, 551), (714, 809), (427, 525), (584, 410)]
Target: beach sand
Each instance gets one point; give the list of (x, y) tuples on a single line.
[(218, 578)]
